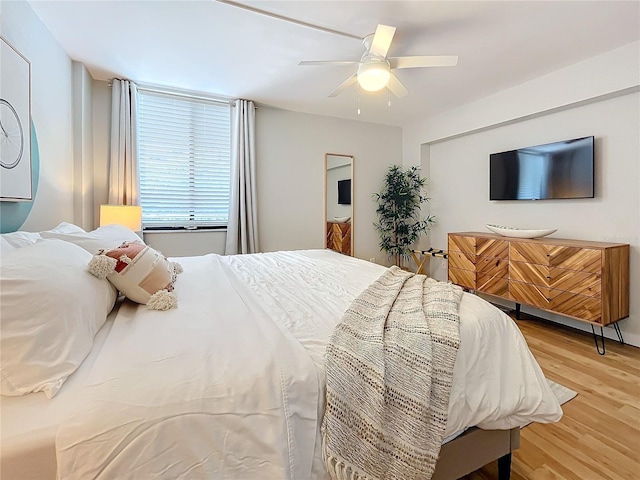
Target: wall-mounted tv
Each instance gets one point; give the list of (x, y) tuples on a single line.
[(554, 170), (344, 192)]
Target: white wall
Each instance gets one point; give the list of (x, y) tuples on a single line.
[(291, 148), (606, 74), (51, 111), (101, 126), (596, 97), (83, 205)]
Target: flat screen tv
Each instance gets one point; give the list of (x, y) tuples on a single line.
[(555, 170), (344, 192)]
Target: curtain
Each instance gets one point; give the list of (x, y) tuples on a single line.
[(242, 228), (123, 161)]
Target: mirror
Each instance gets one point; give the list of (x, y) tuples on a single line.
[(338, 202)]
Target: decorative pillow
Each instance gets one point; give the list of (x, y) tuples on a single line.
[(51, 309), (107, 237), (141, 273)]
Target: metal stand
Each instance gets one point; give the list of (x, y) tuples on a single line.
[(616, 327), (421, 256), (504, 467)]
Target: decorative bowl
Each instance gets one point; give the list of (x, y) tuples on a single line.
[(520, 232)]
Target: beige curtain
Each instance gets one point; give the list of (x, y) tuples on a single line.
[(242, 228), (123, 160)]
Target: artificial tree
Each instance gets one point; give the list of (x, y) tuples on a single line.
[(400, 221)]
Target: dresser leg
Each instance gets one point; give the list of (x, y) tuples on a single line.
[(616, 327), (595, 339)]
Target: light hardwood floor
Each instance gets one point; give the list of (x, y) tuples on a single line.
[(599, 435)]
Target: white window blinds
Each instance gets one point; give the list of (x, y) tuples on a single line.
[(184, 154)]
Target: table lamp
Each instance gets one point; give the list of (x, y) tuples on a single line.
[(129, 216)]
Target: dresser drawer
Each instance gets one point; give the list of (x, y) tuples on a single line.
[(466, 261), (464, 278), (530, 294), (460, 243), (529, 273), (525, 252), (493, 285), (572, 258), (489, 247), (578, 259), (577, 306), (491, 265), (583, 283)]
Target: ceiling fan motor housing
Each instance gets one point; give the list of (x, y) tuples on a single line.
[(373, 73)]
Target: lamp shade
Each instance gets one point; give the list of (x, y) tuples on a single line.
[(373, 75), (129, 216)]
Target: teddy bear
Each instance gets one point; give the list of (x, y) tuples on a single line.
[(140, 273)]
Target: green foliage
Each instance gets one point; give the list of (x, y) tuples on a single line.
[(399, 218)]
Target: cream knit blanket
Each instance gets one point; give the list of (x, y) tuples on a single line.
[(389, 365)]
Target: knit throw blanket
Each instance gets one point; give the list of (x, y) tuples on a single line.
[(389, 365)]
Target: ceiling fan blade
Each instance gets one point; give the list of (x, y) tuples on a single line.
[(328, 62), (423, 61), (344, 85), (382, 40), (396, 86)]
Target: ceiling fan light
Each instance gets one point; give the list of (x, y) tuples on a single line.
[(373, 76)]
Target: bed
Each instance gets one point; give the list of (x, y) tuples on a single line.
[(230, 384)]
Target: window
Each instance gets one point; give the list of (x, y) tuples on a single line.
[(184, 161)]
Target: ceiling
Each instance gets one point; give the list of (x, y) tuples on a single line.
[(214, 47)]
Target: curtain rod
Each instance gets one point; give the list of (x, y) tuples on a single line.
[(184, 94), (178, 93)]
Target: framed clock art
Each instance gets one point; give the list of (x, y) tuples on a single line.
[(15, 125)]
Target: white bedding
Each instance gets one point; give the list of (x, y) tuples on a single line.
[(30, 422), (229, 385)]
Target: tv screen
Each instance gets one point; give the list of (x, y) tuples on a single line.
[(555, 170), (344, 192)]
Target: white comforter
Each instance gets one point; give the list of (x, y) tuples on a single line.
[(230, 384)]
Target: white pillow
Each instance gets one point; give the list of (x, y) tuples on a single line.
[(107, 237), (51, 308), (65, 227), (21, 239), (5, 246)]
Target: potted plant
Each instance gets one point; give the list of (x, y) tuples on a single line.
[(400, 222)]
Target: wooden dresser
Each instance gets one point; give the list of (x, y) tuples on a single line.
[(339, 237), (587, 281)]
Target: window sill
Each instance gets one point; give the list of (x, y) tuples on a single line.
[(184, 230)]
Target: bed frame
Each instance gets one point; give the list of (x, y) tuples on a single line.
[(465, 454), (474, 449)]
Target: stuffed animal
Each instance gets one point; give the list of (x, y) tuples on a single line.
[(140, 273)]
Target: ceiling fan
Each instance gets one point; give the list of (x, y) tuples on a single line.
[(374, 68)]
